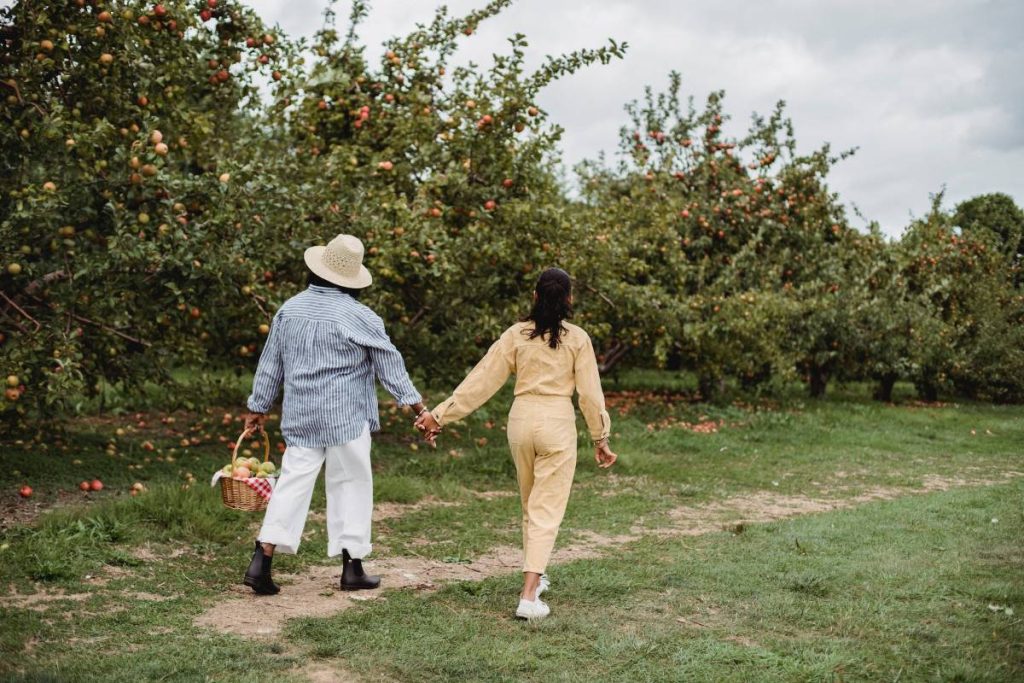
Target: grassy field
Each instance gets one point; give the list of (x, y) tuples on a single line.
[(910, 569)]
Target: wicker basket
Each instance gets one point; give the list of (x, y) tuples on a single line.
[(235, 493)]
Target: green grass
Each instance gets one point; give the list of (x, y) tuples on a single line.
[(895, 590), (885, 591)]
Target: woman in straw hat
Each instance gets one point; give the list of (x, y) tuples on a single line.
[(327, 349), (551, 359)]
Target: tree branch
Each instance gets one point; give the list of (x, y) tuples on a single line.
[(258, 300), (613, 356), (591, 289), (21, 310), (55, 276), (110, 329), (420, 314)]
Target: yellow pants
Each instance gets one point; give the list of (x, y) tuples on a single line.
[(542, 436)]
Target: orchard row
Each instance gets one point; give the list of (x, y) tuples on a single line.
[(165, 164)]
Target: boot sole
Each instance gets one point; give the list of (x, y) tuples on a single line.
[(251, 583), (359, 588)]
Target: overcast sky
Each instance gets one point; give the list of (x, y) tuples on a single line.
[(931, 92)]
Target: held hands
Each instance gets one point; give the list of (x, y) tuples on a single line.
[(603, 454), (428, 426)]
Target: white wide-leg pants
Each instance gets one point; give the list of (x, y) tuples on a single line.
[(349, 482)]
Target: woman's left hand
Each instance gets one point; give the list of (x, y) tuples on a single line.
[(604, 456)]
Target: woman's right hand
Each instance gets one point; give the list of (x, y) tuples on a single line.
[(603, 455)]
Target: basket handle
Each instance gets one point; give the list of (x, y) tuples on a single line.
[(241, 438)]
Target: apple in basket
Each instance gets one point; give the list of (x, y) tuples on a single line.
[(268, 468), (241, 472)]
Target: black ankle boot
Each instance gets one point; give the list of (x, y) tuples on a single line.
[(257, 576), (353, 578)]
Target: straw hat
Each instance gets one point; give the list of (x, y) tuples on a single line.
[(340, 262)]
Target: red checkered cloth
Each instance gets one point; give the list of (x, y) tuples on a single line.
[(263, 486)]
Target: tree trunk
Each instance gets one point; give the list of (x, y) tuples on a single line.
[(927, 390), (710, 387), (817, 381), (883, 392)]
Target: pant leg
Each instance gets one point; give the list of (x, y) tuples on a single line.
[(349, 481), (553, 468), (520, 442), (289, 504)]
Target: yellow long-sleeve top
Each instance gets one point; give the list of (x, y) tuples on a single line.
[(539, 369)]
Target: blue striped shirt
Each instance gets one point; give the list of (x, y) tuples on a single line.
[(327, 348)]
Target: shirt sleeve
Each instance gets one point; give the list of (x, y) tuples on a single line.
[(387, 362), (482, 382), (269, 372), (591, 398)]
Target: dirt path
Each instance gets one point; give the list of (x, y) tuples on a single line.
[(315, 592)]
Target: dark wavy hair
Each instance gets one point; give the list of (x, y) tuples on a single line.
[(551, 307)]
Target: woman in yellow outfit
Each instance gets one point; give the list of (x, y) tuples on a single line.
[(550, 359)]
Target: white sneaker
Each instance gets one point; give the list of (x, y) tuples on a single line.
[(530, 610), (545, 583)]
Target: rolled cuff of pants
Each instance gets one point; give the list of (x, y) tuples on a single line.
[(534, 569), (357, 550), (279, 537)]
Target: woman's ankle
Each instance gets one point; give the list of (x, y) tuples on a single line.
[(531, 581)]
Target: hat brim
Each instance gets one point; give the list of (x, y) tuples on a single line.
[(314, 261)]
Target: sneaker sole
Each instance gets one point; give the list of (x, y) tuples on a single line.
[(533, 618)]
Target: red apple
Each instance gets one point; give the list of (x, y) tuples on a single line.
[(96, 485), (160, 10), (490, 205), (84, 486), (205, 15), (25, 491), (250, 42), (507, 183)]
